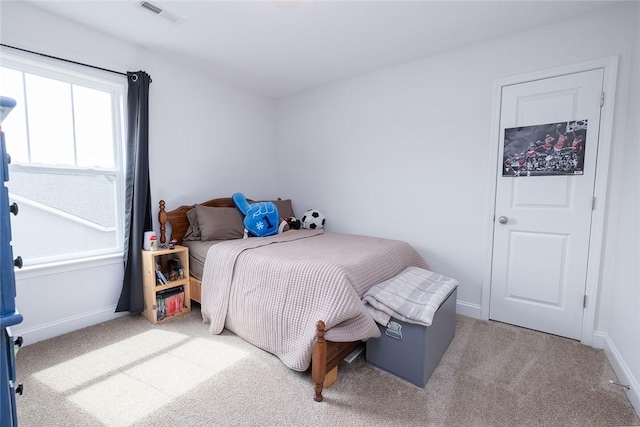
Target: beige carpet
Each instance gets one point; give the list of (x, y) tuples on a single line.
[(128, 372)]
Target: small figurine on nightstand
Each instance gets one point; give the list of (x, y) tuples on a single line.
[(153, 242), (172, 244)]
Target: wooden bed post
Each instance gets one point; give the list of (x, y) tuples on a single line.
[(319, 361), (162, 218)]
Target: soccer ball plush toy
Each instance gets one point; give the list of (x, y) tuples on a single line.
[(313, 219)]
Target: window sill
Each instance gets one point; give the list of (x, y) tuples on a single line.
[(54, 268)]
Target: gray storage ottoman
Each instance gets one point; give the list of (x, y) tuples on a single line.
[(413, 352)]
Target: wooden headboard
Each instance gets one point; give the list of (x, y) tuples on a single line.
[(178, 217)]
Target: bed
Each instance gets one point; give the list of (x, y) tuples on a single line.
[(296, 295)]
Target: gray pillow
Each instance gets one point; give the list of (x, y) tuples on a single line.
[(193, 232), (285, 210), (219, 223)]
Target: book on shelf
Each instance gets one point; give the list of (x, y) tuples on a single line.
[(161, 307), (170, 302), (160, 278)]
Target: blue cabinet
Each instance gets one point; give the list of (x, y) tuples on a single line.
[(9, 315)]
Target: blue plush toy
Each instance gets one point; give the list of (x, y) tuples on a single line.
[(260, 218)]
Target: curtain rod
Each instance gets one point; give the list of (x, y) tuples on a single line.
[(62, 59)]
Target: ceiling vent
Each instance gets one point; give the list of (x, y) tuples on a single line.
[(157, 10)]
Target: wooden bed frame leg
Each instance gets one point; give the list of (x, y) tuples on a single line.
[(319, 361)]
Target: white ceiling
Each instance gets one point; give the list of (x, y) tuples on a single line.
[(279, 47)]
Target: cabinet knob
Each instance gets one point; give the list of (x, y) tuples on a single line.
[(18, 262), (20, 389), (14, 208)]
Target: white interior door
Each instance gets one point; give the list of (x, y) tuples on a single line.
[(542, 216)]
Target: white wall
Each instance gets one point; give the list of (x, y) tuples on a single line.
[(207, 139), (622, 320), (405, 153)]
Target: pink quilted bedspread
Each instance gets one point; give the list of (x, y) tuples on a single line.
[(271, 291)]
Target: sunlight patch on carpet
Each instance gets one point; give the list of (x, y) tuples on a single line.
[(169, 374), (213, 356), (90, 366), (127, 397), (120, 400)]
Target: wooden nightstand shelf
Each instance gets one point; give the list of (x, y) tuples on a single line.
[(152, 286)]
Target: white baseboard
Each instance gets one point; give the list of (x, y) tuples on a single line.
[(599, 339), (65, 325), (625, 376), (469, 309)]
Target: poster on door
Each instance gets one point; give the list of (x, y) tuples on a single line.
[(548, 149)]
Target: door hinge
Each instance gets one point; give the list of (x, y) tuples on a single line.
[(593, 204), (602, 98), (584, 301)]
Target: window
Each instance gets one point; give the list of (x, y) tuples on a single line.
[(65, 139)]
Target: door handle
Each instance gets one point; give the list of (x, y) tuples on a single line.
[(503, 220)]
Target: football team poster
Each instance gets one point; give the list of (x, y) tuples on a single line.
[(549, 149)]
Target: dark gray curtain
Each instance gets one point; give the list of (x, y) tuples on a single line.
[(138, 195)]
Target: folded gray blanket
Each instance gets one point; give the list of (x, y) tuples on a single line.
[(412, 296)]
